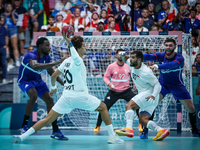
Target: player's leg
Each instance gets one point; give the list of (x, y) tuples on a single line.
[(128, 131), (51, 116), (188, 103), (109, 100), (113, 138), (33, 95), (56, 134), (144, 120)]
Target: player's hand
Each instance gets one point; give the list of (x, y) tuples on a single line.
[(150, 99), (52, 92), (66, 38), (154, 67), (111, 86), (123, 56)]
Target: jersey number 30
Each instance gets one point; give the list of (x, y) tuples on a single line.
[(68, 76)]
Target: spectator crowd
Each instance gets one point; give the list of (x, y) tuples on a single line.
[(16, 16)]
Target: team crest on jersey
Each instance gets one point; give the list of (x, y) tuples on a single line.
[(67, 64), (134, 76)]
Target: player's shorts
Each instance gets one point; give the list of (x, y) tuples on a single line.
[(145, 106), (67, 103), (179, 91), (40, 87)]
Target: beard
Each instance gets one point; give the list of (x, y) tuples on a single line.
[(133, 64), (168, 51), (100, 28)]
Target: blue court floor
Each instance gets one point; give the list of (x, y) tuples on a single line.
[(87, 140)]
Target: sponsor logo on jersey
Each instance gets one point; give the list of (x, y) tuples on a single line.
[(26, 85), (67, 64), (115, 72), (108, 97)]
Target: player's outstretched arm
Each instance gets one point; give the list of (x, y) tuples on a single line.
[(171, 65), (74, 54), (41, 66), (53, 82), (51, 71), (149, 57)]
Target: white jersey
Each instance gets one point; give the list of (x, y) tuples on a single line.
[(143, 78), (74, 75)]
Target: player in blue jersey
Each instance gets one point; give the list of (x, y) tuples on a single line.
[(30, 82), (171, 65)]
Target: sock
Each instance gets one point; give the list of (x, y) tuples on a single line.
[(193, 121), (25, 122), (55, 126), (110, 129), (153, 126), (129, 118), (27, 133), (151, 118)]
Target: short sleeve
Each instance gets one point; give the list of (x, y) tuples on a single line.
[(29, 57), (62, 66)]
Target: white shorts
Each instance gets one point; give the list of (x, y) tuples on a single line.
[(66, 104), (145, 106)]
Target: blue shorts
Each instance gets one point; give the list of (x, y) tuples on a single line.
[(40, 87), (179, 92), (12, 31)]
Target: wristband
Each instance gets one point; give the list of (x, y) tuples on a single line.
[(54, 87), (71, 44)]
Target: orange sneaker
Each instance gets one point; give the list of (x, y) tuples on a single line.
[(163, 133), (125, 132), (96, 129)]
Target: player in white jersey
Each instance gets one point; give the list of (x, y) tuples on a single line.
[(75, 93), (147, 98)]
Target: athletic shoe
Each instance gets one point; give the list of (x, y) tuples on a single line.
[(196, 133), (24, 129), (114, 139), (58, 136), (125, 132), (163, 133), (144, 134), (140, 128), (96, 129), (16, 139)]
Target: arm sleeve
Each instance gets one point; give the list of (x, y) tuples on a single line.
[(128, 62), (107, 75), (157, 89), (61, 67), (77, 59), (171, 65), (150, 57), (30, 57)]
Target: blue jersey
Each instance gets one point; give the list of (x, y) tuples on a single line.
[(26, 72), (161, 15), (171, 26), (170, 69), (195, 25)]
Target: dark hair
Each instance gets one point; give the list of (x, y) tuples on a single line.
[(117, 51), (196, 44), (170, 40), (145, 9), (40, 41), (161, 27), (77, 41), (193, 9), (197, 54), (139, 54), (194, 66), (50, 16)]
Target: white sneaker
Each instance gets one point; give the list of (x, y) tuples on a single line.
[(17, 63), (16, 139), (114, 139)]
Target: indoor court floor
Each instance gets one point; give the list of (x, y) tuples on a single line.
[(88, 140)]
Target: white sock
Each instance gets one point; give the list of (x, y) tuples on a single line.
[(129, 118), (27, 133), (153, 126), (110, 129)]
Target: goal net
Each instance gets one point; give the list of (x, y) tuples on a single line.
[(100, 53)]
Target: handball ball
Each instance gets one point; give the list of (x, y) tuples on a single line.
[(68, 31)]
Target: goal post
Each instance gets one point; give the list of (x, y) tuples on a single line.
[(101, 49)]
